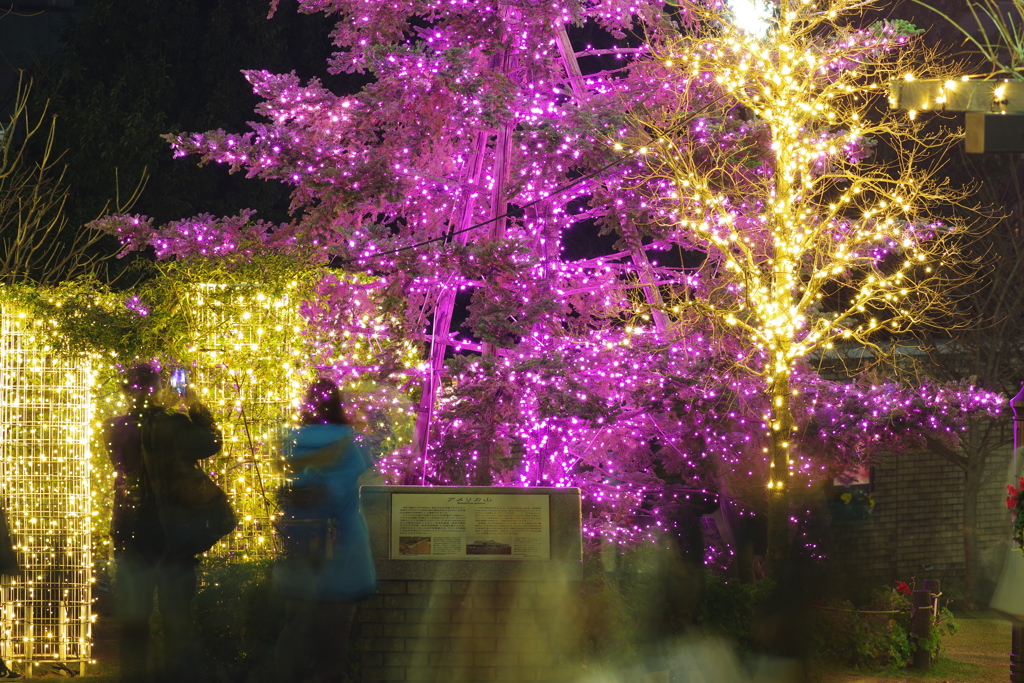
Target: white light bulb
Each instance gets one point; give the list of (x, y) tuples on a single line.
[(752, 16)]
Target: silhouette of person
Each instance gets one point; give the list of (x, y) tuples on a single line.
[(147, 565), (8, 567)]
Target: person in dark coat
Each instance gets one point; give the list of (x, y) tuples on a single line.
[(8, 567), (147, 565)]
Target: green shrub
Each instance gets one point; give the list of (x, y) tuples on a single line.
[(730, 608), (877, 635), (236, 618)]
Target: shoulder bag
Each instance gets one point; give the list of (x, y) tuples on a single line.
[(195, 513)]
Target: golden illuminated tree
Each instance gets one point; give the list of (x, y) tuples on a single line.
[(823, 216)]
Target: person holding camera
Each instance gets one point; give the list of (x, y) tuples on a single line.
[(153, 450)]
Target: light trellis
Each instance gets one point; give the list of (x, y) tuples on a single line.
[(45, 413), (245, 348), (250, 370)]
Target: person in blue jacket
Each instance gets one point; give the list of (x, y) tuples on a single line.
[(325, 567)]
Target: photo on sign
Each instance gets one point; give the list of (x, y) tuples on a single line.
[(414, 545), (488, 547)]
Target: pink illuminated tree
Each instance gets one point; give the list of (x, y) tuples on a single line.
[(480, 143), (493, 135)]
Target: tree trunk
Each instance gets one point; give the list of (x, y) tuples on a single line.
[(973, 477), (505, 62), (645, 272), (780, 436)]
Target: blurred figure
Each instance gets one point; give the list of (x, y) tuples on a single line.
[(8, 567), (325, 565), (146, 562)]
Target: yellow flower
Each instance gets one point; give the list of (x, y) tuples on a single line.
[(846, 498)]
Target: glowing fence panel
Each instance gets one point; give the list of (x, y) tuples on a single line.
[(45, 413), (248, 351)]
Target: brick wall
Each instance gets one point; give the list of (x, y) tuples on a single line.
[(916, 528)]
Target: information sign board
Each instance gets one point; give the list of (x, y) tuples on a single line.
[(470, 526)]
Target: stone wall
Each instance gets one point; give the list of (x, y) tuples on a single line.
[(473, 621)]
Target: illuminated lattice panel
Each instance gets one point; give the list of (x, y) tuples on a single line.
[(250, 373), (45, 413)]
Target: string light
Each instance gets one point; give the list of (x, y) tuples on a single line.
[(250, 370), (814, 242), (599, 371), (46, 413), (250, 364)]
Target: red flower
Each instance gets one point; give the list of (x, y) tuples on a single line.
[(1021, 483), (1011, 497), (902, 588)]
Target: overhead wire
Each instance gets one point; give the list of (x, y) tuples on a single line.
[(519, 208)]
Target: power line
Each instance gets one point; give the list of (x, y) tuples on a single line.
[(507, 214)]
